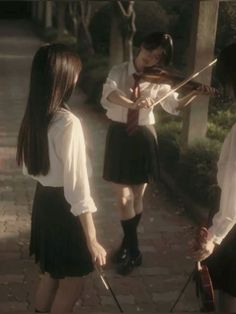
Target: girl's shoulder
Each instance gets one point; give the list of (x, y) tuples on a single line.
[(64, 118), (119, 67)]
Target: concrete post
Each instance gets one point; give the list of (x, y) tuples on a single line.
[(48, 14), (40, 11), (201, 53), (34, 8)]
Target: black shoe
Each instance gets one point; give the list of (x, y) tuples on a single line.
[(127, 266), (120, 255)]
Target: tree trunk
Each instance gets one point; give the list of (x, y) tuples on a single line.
[(116, 40), (61, 7), (130, 29)]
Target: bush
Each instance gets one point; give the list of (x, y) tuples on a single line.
[(216, 132), (198, 167), (93, 76), (168, 139), (224, 119)]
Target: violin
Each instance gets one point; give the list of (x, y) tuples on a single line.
[(157, 75), (204, 287), (201, 276)]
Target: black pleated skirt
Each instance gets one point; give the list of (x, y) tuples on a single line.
[(131, 159), (57, 238), (222, 265)]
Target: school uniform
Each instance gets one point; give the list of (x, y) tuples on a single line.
[(222, 262), (132, 159), (57, 237)]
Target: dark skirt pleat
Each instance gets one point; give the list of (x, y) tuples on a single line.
[(222, 265), (57, 238), (131, 159)]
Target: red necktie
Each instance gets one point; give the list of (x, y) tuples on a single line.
[(133, 114)]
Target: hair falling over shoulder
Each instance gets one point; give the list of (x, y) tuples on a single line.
[(54, 73)]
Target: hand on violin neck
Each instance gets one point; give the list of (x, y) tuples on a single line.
[(206, 90), (205, 251), (202, 247)]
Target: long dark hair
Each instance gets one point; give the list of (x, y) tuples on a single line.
[(158, 39), (226, 67), (54, 71)]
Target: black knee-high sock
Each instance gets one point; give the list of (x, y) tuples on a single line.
[(130, 235)]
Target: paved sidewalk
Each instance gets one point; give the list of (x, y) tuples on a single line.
[(164, 229)]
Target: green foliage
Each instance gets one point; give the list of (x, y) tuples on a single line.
[(197, 170), (216, 132), (168, 139), (226, 24), (100, 29), (150, 17), (224, 119), (93, 76)]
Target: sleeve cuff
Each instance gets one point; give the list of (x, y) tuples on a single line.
[(108, 88), (82, 207), (212, 237), (170, 104)]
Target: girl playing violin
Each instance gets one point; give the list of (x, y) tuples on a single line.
[(218, 251), (131, 153)]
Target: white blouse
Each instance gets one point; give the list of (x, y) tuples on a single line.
[(68, 163), (121, 79), (225, 218)]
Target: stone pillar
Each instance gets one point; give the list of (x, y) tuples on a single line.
[(40, 11), (48, 14), (34, 8), (61, 7), (201, 53)]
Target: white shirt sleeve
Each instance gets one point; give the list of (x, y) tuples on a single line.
[(70, 147), (225, 218), (169, 104), (111, 85)]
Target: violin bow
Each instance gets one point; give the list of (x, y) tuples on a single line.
[(182, 290), (203, 233), (185, 82), (105, 282)]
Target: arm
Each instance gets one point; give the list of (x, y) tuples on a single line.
[(70, 146), (97, 251), (116, 98), (173, 104), (224, 220), (112, 95), (186, 100)]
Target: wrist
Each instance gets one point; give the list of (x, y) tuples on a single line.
[(91, 240), (134, 105)]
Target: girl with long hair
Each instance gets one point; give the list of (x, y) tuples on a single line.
[(51, 150)]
